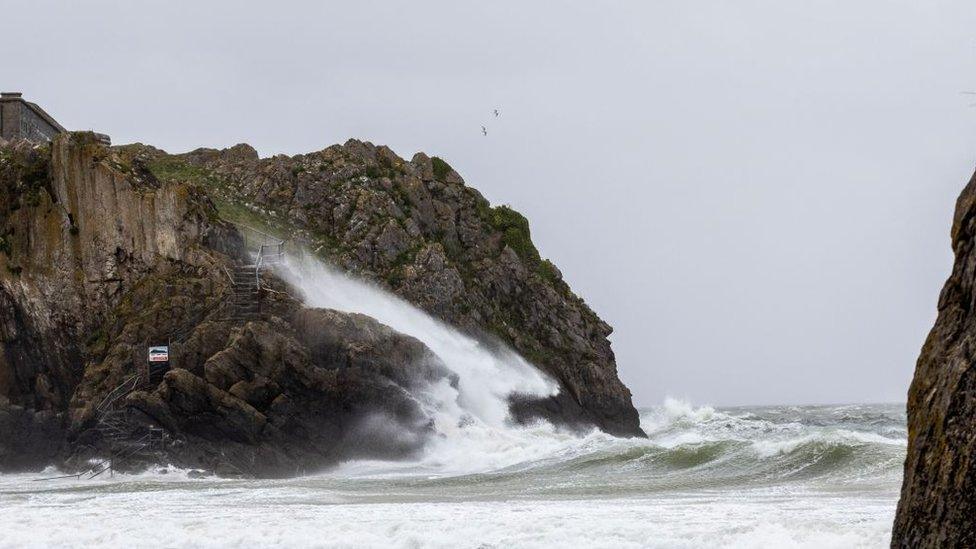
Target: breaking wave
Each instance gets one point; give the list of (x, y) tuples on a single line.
[(824, 476), (774, 476), (687, 447)]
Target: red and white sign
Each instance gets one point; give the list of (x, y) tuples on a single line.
[(159, 354)]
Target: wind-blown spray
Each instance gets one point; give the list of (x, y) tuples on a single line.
[(486, 377)]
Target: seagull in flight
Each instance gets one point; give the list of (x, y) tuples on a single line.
[(484, 130)]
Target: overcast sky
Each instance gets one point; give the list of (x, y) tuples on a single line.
[(756, 194)]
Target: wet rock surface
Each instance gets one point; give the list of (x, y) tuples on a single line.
[(280, 401), (938, 500)]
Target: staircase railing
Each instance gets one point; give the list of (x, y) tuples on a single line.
[(268, 254), (128, 385)]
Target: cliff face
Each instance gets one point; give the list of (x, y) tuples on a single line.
[(938, 499), (77, 229), (106, 251), (417, 229)]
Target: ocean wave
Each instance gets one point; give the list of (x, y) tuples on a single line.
[(705, 476), (687, 447), (691, 446)]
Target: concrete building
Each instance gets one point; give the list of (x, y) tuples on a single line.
[(20, 119)]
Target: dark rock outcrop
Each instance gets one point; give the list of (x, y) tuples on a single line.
[(280, 399), (99, 259), (105, 251), (938, 499)]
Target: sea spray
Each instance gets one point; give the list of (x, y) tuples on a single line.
[(686, 444), (473, 417), (837, 488)]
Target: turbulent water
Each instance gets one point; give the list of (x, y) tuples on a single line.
[(742, 477)]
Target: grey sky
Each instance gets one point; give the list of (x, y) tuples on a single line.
[(756, 194)]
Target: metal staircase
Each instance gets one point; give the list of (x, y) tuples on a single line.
[(245, 298), (127, 442), (245, 302)]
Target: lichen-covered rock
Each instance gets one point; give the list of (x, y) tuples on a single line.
[(416, 228), (938, 499)]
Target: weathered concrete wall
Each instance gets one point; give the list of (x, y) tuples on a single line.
[(22, 120)]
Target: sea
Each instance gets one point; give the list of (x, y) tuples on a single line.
[(778, 476), (754, 476)]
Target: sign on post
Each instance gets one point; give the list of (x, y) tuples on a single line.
[(158, 363), (159, 354)]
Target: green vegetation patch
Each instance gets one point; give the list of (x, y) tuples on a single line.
[(441, 168), (515, 233), (378, 171), (177, 170), (548, 272), (238, 213), (35, 171), (24, 175)]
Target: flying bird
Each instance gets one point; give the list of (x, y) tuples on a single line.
[(496, 113), (484, 130)]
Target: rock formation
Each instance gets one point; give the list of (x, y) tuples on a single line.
[(416, 228), (938, 498), (104, 251)]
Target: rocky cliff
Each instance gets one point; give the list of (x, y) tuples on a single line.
[(938, 499), (416, 228), (104, 251)]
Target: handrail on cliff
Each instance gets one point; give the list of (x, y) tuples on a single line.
[(127, 386), (270, 255), (265, 237)]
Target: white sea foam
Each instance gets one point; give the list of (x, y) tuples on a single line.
[(705, 477), (533, 487), (137, 514), (771, 448)]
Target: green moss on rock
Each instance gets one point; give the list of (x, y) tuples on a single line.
[(172, 169), (515, 233), (441, 168)]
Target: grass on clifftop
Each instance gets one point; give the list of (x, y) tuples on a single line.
[(168, 168)]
